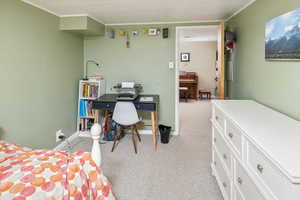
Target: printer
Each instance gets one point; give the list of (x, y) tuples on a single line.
[(128, 91)]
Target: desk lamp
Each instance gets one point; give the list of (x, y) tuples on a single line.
[(86, 67)]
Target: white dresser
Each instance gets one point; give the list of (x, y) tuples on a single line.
[(256, 152)]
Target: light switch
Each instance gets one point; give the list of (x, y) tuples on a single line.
[(171, 65)]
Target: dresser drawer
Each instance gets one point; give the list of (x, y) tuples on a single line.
[(246, 185), (219, 118), (223, 149), (222, 178), (272, 178), (234, 136)]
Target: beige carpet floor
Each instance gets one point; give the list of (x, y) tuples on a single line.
[(179, 170)]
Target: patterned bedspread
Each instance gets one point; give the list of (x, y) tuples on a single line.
[(50, 175)]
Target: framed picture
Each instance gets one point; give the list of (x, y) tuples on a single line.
[(282, 40), (185, 57), (152, 31)]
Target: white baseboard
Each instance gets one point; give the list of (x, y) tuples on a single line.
[(145, 132), (149, 132), (70, 139)]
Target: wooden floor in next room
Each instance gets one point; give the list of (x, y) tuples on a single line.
[(179, 170)]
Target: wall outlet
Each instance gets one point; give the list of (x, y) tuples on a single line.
[(171, 65), (60, 136)]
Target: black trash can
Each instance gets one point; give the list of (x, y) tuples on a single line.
[(164, 133)]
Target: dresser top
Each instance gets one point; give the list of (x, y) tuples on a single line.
[(275, 134)]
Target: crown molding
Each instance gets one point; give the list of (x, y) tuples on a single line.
[(139, 23), (58, 15), (240, 10), (170, 22), (83, 15), (40, 7)]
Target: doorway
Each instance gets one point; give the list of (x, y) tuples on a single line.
[(199, 70)]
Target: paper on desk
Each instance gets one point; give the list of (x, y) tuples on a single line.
[(127, 84), (146, 99)]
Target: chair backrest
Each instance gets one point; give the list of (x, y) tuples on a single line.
[(125, 113)]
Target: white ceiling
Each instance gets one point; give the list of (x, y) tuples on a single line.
[(199, 34), (144, 11)]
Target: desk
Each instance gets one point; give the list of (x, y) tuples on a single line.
[(107, 102)]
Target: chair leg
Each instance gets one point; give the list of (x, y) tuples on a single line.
[(137, 133), (133, 139), (114, 145), (116, 140)]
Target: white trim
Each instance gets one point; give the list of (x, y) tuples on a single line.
[(149, 132), (177, 40), (97, 20), (145, 132), (200, 27), (58, 15), (177, 120), (83, 15), (240, 10), (170, 22), (141, 131), (65, 142), (139, 23), (77, 15), (70, 139), (117, 24), (40, 7)]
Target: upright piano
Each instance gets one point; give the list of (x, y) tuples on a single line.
[(190, 81)]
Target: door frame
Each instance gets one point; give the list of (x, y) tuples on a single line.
[(177, 57)]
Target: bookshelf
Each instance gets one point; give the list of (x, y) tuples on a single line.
[(89, 90)]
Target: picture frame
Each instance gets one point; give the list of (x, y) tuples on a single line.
[(152, 31), (185, 57), (282, 41)]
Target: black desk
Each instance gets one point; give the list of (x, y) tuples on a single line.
[(107, 102)]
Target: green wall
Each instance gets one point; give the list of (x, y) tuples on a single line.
[(273, 83), (39, 71), (146, 62)]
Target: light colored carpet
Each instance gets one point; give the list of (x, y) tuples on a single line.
[(179, 170)]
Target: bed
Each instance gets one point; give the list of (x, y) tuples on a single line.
[(27, 174)]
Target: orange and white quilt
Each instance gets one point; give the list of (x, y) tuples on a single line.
[(50, 175)]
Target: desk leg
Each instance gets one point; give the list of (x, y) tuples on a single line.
[(154, 130), (97, 116)]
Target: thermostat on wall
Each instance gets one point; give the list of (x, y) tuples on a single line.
[(171, 65)]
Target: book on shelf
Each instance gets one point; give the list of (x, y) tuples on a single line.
[(86, 108), (85, 124), (90, 90), (95, 78)]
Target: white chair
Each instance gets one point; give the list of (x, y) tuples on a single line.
[(125, 115)]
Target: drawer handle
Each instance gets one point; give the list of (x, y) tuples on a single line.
[(215, 162), (217, 118), (240, 181), (224, 185), (260, 168), (215, 140), (230, 135), (224, 156), (107, 105)]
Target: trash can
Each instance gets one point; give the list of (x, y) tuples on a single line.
[(164, 133)]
